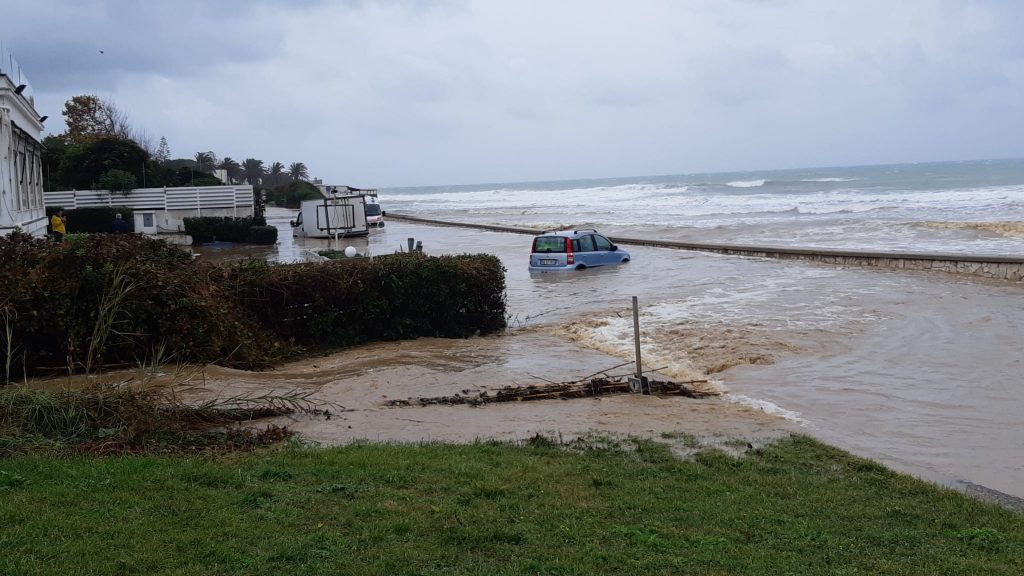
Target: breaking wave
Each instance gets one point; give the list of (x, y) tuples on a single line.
[(747, 183)]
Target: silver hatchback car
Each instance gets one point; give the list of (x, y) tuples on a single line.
[(573, 250)]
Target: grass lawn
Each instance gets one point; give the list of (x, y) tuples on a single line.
[(796, 507)]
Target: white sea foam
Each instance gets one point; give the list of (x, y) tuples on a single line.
[(740, 203), (747, 183), (766, 407), (644, 203)]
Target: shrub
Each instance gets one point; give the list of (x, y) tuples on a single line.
[(190, 176), (262, 234), (118, 181), (103, 300), (340, 303), (292, 194), (221, 228), (106, 300), (94, 220), (131, 415)]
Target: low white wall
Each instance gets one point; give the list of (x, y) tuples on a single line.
[(201, 198), (169, 206)]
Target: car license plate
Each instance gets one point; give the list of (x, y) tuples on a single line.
[(548, 262)]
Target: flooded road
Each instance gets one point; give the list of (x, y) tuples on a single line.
[(920, 371)]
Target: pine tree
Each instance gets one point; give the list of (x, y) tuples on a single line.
[(163, 152)]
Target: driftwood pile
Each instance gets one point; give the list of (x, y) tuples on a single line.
[(588, 388)]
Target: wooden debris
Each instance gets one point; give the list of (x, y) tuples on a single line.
[(588, 388)]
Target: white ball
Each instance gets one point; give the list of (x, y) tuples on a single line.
[(350, 251)]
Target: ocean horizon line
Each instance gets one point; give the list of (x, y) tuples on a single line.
[(752, 171)]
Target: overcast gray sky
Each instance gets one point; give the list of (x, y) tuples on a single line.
[(413, 92)]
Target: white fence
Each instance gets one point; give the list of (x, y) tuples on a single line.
[(184, 198)]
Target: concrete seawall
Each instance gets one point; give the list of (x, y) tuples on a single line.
[(998, 267)]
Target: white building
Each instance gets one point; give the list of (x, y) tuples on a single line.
[(21, 134)]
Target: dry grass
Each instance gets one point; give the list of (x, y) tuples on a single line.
[(138, 412)]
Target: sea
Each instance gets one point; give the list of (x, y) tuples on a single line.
[(972, 207)]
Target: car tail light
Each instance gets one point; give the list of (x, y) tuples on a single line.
[(569, 258)]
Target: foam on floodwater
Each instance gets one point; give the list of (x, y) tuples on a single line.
[(766, 407), (1009, 229), (718, 327), (683, 355), (613, 335)]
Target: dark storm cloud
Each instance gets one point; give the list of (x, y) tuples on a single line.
[(433, 91), (93, 42)]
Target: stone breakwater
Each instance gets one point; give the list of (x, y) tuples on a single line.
[(1009, 268)]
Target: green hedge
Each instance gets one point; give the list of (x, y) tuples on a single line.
[(262, 234), (392, 297), (93, 220), (292, 194), (247, 315), (51, 295), (225, 229)]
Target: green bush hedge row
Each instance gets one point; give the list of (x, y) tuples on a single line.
[(93, 220), (226, 229), (246, 315), (262, 234), (385, 298)]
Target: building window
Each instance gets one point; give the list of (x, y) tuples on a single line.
[(26, 154), (147, 220)]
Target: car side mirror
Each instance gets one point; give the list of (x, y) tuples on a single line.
[(614, 247), (292, 223), (383, 212)]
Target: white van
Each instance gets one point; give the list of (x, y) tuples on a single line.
[(374, 213), (338, 216)]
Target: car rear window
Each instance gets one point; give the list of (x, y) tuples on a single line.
[(549, 244)]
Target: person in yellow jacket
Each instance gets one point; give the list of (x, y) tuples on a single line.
[(58, 222)]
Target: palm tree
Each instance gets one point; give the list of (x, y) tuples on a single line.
[(298, 171), (252, 170), (205, 161), (276, 172), (232, 168)]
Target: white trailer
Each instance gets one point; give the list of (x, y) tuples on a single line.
[(334, 217)]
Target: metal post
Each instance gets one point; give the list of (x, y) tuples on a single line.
[(412, 244), (638, 383), (636, 337)]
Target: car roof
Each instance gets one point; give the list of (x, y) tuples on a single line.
[(572, 233)]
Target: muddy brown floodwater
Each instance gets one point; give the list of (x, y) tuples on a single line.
[(920, 371), (363, 380)]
